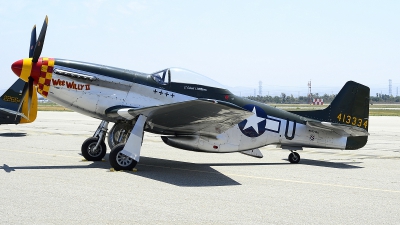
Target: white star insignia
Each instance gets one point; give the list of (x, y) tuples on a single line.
[(253, 121)]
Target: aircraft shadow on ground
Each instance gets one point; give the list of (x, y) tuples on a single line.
[(181, 173), (12, 134)]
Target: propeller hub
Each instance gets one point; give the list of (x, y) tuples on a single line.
[(25, 68)]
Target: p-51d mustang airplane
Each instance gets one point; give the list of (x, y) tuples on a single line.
[(190, 111)]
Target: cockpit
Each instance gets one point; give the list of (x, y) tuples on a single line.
[(179, 75)]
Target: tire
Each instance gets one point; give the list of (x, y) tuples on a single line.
[(119, 161), (294, 157), (115, 132), (91, 154)]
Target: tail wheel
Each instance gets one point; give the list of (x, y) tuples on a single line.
[(294, 157), (90, 152), (120, 161)]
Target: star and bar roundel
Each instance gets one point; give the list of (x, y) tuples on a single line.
[(258, 123)]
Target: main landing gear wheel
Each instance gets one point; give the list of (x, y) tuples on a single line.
[(90, 152), (120, 161), (294, 157), (118, 134)]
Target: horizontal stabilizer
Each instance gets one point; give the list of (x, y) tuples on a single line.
[(13, 112), (342, 129), (253, 152)]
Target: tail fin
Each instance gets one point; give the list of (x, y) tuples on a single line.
[(10, 105), (350, 107)]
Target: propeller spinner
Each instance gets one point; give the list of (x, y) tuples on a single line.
[(30, 69)]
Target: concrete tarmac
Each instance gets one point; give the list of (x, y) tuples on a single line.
[(43, 180)]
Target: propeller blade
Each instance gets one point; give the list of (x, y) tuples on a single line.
[(33, 42), (30, 90), (30, 116), (24, 90), (39, 43)]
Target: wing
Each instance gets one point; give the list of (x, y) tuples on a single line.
[(201, 116), (342, 129)]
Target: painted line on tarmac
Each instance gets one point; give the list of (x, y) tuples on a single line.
[(316, 183), (40, 153), (45, 132), (282, 180), (360, 156)]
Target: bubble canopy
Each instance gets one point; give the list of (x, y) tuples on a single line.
[(179, 75)]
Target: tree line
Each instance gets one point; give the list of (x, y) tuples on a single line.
[(290, 99)]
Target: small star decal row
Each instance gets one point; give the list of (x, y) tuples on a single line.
[(165, 93)]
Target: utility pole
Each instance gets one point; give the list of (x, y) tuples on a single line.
[(390, 87), (309, 92), (260, 88)]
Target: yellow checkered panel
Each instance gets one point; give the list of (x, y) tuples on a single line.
[(45, 76)]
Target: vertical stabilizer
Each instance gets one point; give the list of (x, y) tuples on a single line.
[(350, 106)]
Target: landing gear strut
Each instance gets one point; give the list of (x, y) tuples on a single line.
[(294, 157), (94, 148)]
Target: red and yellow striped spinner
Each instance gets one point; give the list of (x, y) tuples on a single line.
[(44, 81)]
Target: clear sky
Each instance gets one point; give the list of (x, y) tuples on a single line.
[(284, 44)]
